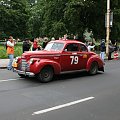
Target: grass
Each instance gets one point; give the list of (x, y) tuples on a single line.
[(17, 49)]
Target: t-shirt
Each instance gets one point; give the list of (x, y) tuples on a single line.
[(90, 47)]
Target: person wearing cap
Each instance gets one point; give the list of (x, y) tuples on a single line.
[(102, 49), (45, 41), (10, 51)]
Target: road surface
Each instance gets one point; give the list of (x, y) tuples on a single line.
[(76, 96)]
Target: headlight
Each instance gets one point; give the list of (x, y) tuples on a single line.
[(31, 60), (17, 59)]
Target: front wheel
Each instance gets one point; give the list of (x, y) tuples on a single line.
[(93, 68), (45, 75)]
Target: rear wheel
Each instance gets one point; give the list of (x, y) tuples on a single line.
[(93, 68), (46, 74)]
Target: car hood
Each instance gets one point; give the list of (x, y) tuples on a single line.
[(39, 53)]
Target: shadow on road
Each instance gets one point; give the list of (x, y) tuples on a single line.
[(64, 77)]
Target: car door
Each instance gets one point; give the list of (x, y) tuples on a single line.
[(83, 56), (70, 57)]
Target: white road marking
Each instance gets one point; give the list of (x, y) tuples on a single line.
[(61, 106), (8, 80)]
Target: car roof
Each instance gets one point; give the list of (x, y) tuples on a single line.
[(68, 41)]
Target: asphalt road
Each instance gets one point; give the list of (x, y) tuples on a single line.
[(70, 97)]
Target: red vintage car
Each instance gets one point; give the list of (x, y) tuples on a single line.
[(58, 57)]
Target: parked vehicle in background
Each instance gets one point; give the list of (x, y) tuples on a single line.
[(58, 57)]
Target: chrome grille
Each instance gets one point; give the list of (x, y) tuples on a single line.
[(24, 66)]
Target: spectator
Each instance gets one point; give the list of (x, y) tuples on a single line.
[(10, 51), (76, 37), (45, 42), (90, 46), (111, 49), (102, 49), (35, 45), (26, 45), (65, 37)]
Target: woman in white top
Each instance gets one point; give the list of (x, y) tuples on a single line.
[(90, 46)]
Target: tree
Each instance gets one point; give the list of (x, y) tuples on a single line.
[(115, 30), (13, 17), (47, 18), (54, 18)]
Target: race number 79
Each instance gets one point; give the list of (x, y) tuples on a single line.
[(74, 59)]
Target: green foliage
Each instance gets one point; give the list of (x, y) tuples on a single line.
[(31, 18), (3, 52), (13, 17)]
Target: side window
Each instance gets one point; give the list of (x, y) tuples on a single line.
[(72, 47), (83, 48)]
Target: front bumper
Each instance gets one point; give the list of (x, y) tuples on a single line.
[(24, 72), (22, 68)]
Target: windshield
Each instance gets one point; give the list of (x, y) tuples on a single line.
[(54, 46)]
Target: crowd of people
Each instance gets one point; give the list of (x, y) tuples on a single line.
[(28, 45), (34, 45), (112, 49)]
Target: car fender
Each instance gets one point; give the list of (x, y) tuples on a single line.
[(94, 58), (38, 65)]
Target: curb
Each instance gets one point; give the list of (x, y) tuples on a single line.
[(3, 67), (4, 63)]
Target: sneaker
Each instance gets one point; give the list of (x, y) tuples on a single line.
[(9, 68)]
